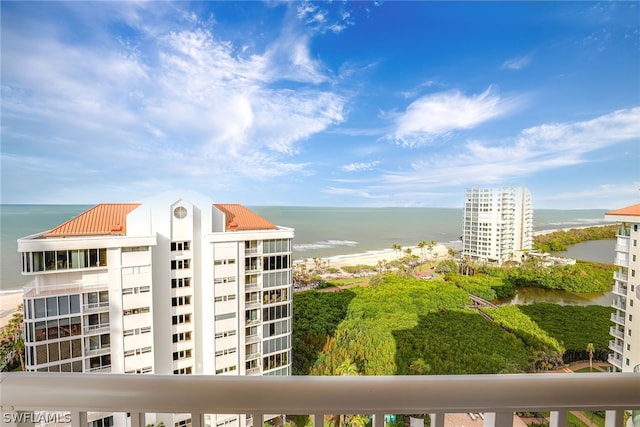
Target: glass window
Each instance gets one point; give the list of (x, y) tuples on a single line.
[(76, 326), (103, 257), (65, 351), (103, 296), (76, 348), (52, 329), (38, 261), (63, 305), (52, 306), (50, 260), (65, 328), (74, 302), (54, 353), (40, 310), (92, 297), (41, 331), (41, 354), (93, 258), (62, 260)]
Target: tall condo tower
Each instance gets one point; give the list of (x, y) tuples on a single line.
[(497, 224), (625, 345), (171, 285)]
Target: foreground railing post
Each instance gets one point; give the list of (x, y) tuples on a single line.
[(137, 419), (614, 418), (318, 420), (558, 418), (197, 419), (437, 419), (258, 420), (378, 420), (78, 419), (498, 419)]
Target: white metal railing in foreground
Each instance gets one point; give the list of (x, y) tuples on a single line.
[(496, 395)]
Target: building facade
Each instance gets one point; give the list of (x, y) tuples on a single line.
[(497, 224), (625, 345), (168, 286)]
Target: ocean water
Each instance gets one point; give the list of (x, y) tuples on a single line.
[(320, 231)]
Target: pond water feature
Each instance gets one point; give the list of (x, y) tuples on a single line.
[(534, 295), (594, 250)]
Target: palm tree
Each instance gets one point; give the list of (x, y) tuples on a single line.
[(431, 245), (422, 244), (590, 349), (397, 248)]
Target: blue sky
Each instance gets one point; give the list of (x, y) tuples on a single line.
[(328, 103)]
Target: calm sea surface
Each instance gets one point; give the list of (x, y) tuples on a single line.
[(320, 231)]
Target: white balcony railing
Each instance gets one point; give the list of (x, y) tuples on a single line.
[(616, 332), (497, 396), (620, 277), (615, 347), (615, 359), (617, 319)]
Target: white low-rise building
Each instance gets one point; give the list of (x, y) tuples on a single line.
[(171, 285)]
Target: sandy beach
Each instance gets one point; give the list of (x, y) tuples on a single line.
[(9, 302), (372, 257)]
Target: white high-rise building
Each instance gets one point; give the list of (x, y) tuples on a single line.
[(497, 224), (168, 286), (625, 345)]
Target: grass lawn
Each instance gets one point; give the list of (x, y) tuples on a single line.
[(352, 281), (583, 370)]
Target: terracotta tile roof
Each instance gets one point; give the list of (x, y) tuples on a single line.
[(240, 218), (100, 220), (633, 210)]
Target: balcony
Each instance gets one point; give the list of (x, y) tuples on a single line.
[(617, 319), (620, 305), (620, 290), (252, 339), (615, 347), (620, 277), (497, 396), (624, 232), (95, 307), (615, 359), (624, 248), (621, 260), (97, 351), (613, 331), (96, 329)]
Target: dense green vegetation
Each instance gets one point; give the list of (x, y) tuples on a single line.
[(583, 276), (404, 325), (316, 318), (12, 343), (393, 303), (458, 342), (558, 241), (482, 285), (513, 319), (574, 326)]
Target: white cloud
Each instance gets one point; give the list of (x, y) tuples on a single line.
[(517, 63), (183, 98), (357, 167), (536, 149), (321, 19), (438, 115)]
